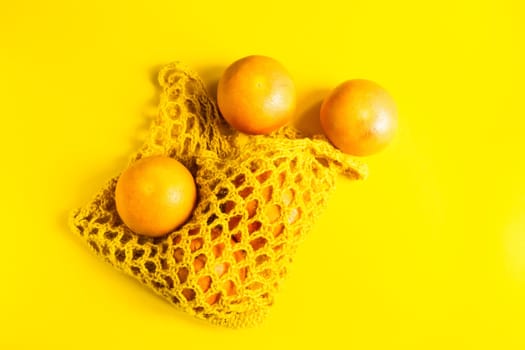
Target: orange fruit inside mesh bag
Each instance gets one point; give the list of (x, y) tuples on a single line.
[(256, 201)]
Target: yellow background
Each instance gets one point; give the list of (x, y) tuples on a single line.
[(429, 252)]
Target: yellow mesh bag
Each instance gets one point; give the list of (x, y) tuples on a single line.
[(257, 198)]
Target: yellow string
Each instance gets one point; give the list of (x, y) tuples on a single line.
[(258, 197)]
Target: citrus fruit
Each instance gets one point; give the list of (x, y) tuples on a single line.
[(155, 195), (256, 95), (359, 117)]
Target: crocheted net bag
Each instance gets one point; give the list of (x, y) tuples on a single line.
[(257, 198)]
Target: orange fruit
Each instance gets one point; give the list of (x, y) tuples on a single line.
[(256, 95), (359, 117), (155, 195)]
